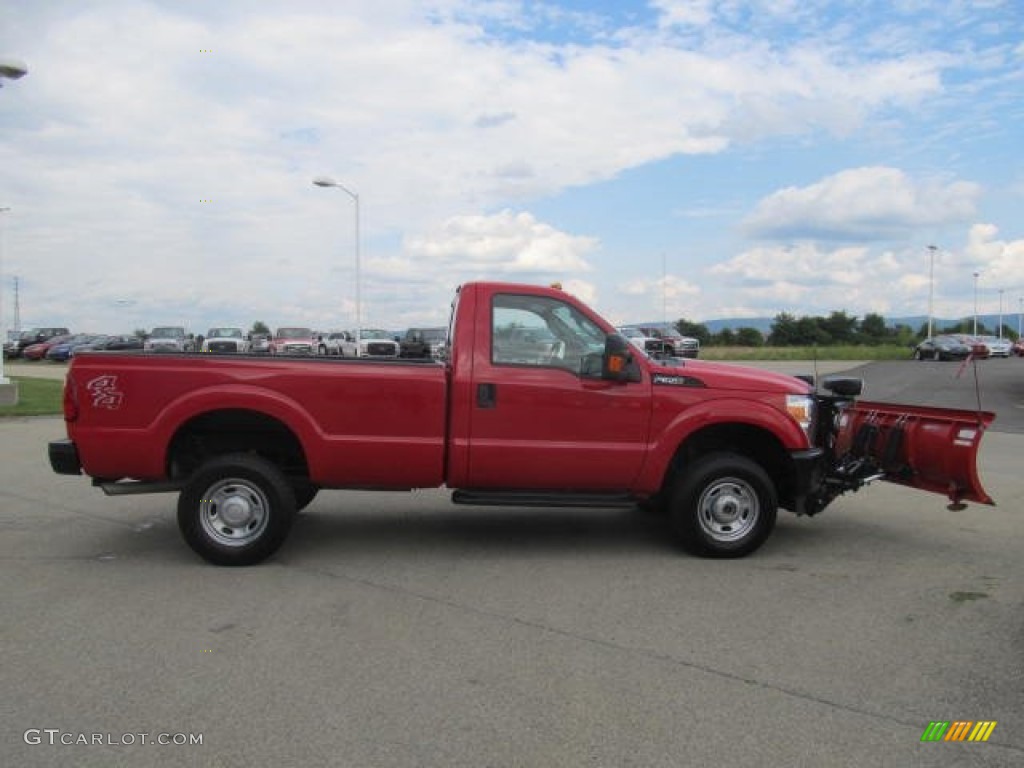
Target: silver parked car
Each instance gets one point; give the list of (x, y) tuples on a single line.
[(997, 347)]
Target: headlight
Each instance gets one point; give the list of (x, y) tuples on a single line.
[(801, 408)]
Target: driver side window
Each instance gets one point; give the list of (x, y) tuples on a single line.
[(542, 332)]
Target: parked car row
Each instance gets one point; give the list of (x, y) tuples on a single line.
[(63, 347), (661, 340), (958, 346)]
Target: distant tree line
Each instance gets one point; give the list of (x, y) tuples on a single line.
[(838, 329)]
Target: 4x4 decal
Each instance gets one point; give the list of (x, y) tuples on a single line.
[(105, 393)]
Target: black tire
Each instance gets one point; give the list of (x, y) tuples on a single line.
[(304, 493), (236, 509), (724, 505)]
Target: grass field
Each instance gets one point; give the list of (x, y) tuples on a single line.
[(890, 352), (36, 397)]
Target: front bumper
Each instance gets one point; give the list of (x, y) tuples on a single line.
[(64, 457), (808, 478)]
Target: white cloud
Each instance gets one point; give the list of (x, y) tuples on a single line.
[(696, 13), (862, 204), (505, 243), (1000, 263)]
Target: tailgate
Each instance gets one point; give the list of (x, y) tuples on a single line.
[(932, 449)]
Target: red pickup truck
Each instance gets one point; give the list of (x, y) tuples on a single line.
[(540, 403)]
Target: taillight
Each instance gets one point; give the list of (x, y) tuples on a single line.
[(70, 400)]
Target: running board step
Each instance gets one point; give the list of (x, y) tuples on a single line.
[(543, 499), (133, 487)]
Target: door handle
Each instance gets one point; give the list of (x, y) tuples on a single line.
[(486, 395)]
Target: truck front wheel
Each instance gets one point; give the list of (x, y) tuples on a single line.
[(236, 509), (724, 505)]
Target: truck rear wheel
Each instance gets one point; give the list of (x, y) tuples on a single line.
[(236, 509), (724, 505)]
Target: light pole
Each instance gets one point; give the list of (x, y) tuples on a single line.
[(3, 325), (931, 287), (326, 181), (12, 69), (976, 303)]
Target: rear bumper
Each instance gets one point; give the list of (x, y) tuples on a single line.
[(64, 457)]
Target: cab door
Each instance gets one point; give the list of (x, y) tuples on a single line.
[(537, 422), (931, 449)]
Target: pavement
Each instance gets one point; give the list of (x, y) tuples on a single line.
[(399, 630)]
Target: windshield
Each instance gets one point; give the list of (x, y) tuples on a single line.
[(294, 333), (224, 333), (375, 333), (168, 333), (430, 335)]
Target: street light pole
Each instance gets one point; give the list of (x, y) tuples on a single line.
[(325, 181), (3, 325), (931, 287), (12, 69), (976, 303)]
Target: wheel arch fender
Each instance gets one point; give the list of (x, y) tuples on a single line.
[(749, 428), (186, 410)]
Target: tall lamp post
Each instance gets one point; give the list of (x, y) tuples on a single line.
[(12, 69), (326, 181), (3, 325), (931, 287), (976, 303)]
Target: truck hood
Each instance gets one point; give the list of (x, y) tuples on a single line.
[(726, 376)]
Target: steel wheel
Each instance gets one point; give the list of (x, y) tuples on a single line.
[(728, 510), (236, 509), (234, 513), (723, 505)]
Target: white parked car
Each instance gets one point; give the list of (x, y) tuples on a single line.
[(997, 347), (647, 344), (169, 338), (225, 340), (374, 342), (339, 343)]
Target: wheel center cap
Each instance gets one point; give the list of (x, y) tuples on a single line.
[(726, 509), (236, 511)]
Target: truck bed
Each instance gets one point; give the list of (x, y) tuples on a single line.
[(377, 424)]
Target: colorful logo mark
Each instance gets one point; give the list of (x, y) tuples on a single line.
[(958, 730)]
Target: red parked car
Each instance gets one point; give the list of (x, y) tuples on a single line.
[(979, 349), (38, 351)]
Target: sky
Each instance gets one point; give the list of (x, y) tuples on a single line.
[(661, 160)]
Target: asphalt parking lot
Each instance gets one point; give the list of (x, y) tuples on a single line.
[(398, 630)]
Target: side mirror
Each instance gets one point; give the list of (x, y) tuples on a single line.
[(617, 363)]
